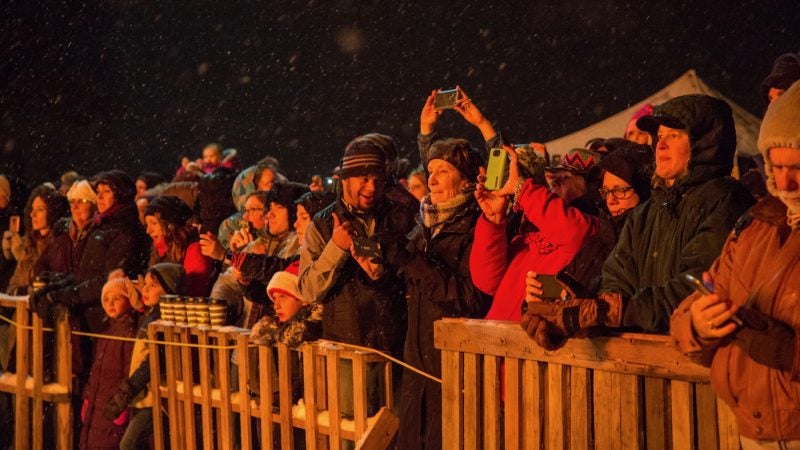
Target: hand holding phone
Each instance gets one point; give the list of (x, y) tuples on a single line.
[(496, 169)]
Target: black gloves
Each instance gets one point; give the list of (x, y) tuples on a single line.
[(119, 401), (542, 332), (48, 295), (767, 341)]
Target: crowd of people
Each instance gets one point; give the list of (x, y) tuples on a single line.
[(377, 253)]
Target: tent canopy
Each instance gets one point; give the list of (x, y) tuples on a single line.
[(747, 125)]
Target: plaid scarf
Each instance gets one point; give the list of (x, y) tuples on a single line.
[(435, 215)]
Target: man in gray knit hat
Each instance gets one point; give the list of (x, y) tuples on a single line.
[(747, 329), (351, 256)]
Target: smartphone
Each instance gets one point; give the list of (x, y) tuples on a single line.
[(446, 99), (246, 225), (13, 224), (551, 287), (496, 169), (697, 284), (366, 247)]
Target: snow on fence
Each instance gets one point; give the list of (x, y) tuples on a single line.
[(629, 391)]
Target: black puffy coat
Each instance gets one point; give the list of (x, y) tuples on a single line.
[(438, 285), (680, 229), (117, 242)]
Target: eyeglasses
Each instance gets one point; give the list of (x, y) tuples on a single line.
[(252, 210), (619, 193)]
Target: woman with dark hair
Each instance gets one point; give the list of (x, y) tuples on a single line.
[(45, 207), (174, 241)]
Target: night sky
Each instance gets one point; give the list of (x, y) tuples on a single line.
[(133, 85)]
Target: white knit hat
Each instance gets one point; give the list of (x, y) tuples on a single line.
[(285, 282), (82, 190), (780, 128)]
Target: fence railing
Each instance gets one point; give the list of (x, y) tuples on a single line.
[(27, 381), (627, 391), (205, 404)]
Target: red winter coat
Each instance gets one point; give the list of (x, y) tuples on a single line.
[(499, 267), (112, 360)]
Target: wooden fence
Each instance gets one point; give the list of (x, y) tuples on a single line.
[(628, 391), (205, 406), (27, 382)]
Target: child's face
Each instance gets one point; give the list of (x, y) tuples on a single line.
[(152, 290), (115, 305), (286, 306)]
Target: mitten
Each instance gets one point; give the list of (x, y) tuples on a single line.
[(569, 316), (542, 332)]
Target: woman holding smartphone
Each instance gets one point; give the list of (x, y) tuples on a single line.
[(45, 207), (438, 281)]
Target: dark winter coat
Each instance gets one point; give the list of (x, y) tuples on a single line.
[(438, 285), (680, 229), (359, 310), (117, 242), (110, 367), (56, 255), (587, 266)]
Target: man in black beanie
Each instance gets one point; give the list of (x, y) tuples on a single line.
[(785, 71), (347, 262)]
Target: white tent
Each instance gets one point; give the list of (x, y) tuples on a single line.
[(747, 125)]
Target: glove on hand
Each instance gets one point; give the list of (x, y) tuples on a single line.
[(41, 302), (542, 332), (119, 401), (569, 316), (767, 341)]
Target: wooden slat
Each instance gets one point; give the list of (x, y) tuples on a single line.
[(155, 384), (225, 423), (706, 408), (491, 403), (205, 390), (21, 402), (38, 406), (171, 352), (472, 437), (320, 387), (190, 440), (605, 436), (245, 425), (285, 387), (655, 411), (557, 405), (310, 397), (359, 394), (265, 368), (64, 378), (513, 394), (332, 366), (380, 435), (451, 401), (682, 409), (728, 433), (532, 405), (630, 417), (580, 408)]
